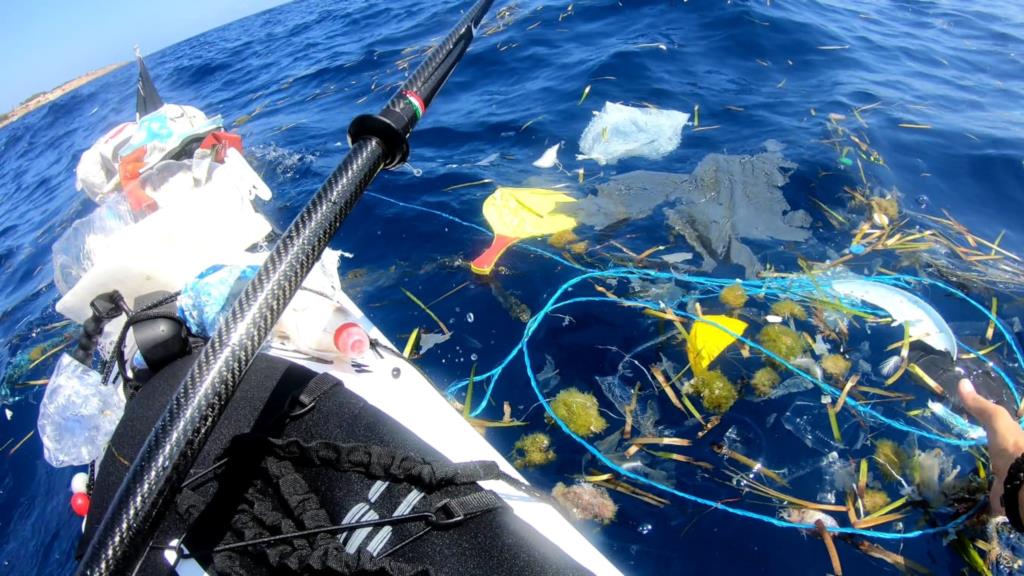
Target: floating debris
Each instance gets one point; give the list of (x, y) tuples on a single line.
[(789, 309), (891, 459), (764, 381), (579, 411), (532, 450), (619, 131), (875, 500), (733, 296), (836, 366), (782, 341), (706, 341), (550, 157), (716, 392), (586, 501)]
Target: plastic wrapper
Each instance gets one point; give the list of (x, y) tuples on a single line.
[(77, 250), (622, 132), (203, 301), (78, 414)]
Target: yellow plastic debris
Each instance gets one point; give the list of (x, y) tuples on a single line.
[(707, 342), (517, 213)]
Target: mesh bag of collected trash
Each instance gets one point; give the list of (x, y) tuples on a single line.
[(619, 131), (78, 414)]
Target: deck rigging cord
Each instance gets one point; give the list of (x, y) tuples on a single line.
[(377, 142)]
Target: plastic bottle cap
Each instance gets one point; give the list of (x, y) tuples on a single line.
[(80, 483), (80, 503), (351, 340)]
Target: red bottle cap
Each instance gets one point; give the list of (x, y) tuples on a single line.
[(351, 340)]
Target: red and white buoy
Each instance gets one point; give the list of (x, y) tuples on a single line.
[(79, 494)]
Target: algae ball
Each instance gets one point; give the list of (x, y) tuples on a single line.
[(533, 450), (579, 411), (836, 366), (733, 296), (891, 459), (562, 239), (716, 392), (782, 341), (764, 381), (874, 500), (887, 207), (586, 502), (789, 309), (579, 247)]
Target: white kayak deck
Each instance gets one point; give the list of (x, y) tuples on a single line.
[(412, 400)]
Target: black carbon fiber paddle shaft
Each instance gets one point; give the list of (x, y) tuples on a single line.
[(169, 452)]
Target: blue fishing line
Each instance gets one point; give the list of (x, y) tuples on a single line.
[(791, 288), (481, 229)]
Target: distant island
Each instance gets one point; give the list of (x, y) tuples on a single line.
[(42, 98)]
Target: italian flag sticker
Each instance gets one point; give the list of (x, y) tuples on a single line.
[(417, 103)]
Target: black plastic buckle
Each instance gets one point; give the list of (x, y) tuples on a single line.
[(444, 515)]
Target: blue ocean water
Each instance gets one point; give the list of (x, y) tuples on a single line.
[(294, 76)]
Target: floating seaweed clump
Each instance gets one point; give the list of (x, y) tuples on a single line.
[(782, 341), (580, 412), (586, 501), (563, 239), (789, 309), (874, 500), (533, 450), (717, 393), (733, 296), (887, 207), (836, 366), (764, 381), (891, 459)]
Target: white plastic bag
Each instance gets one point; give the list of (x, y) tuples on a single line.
[(79, 247), (78, 414), (622, 132), (96, 173)]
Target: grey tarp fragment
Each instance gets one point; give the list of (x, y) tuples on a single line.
[(727, 199)]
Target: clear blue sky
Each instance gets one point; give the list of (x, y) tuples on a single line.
[(44, 43)]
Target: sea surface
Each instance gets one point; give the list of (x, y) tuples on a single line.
[(292, 78)]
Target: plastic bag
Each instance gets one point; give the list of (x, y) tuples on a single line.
[(197, 226), (204, 300), (622, 131), (96, 173), (78, 249), (78, 414)]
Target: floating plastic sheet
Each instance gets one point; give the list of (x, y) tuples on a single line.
[(726, 199), (619, 131), (78, 414)]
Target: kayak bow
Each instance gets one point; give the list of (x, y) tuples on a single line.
[(377, 142)]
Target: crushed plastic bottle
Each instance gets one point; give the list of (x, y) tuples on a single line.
[(78, 414)]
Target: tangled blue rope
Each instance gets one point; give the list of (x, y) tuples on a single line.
[(794, 288)]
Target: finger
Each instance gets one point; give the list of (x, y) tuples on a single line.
[(987, 412), (996, 496)]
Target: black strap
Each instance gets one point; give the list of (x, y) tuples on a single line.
[(1011, 493), (316, 388)]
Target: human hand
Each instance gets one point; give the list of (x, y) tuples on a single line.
[(1005, 438)]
